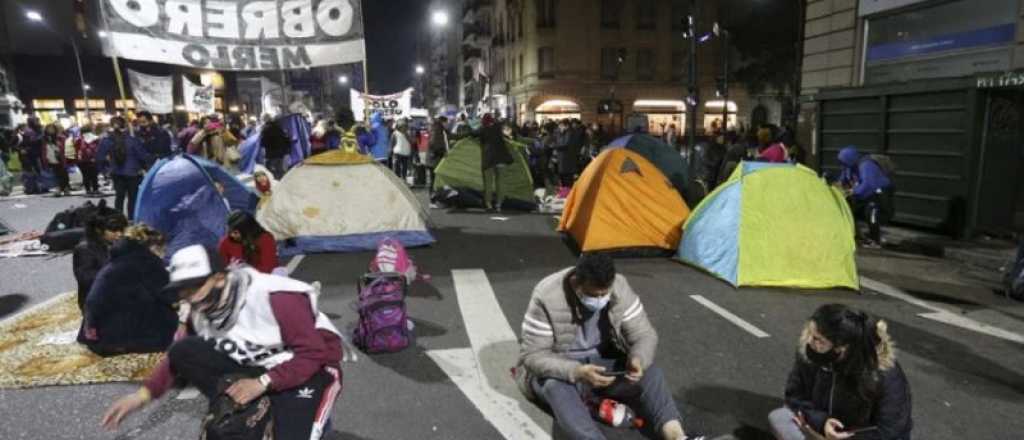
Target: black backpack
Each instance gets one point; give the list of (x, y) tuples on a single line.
[(227, 420)]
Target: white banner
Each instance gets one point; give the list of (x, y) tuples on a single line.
[(198, 99), (245, 35), (396, 106), (152, 93)]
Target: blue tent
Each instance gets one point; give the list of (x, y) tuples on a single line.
[(295, 126), (178, 198)]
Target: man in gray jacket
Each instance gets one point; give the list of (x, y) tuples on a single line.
[(586, 337)]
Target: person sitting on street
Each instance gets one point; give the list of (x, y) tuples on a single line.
[(126, 311), (581, 324), (845, 383), (869, 190), (248, 242), (243, 322), (93, 252)]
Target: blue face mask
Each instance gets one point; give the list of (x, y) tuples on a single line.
[(595, 304)]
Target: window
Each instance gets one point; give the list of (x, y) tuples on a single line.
[(546, 62), (546, 10), (680, 12), (645, 64), (610, 62), (645, 14), (611, 14), (679, 69)]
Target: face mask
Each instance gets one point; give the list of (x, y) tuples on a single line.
[(823, 359), (595, 304)]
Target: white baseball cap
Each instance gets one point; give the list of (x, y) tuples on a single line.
[(191, 266)]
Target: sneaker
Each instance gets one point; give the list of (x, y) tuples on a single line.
[(871, 244), (435, 206)]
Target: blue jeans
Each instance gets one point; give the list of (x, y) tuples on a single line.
[(650, 399)]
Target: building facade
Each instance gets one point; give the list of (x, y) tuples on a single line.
[(938, 86), (602, 61)]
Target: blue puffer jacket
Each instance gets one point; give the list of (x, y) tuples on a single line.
[(126, 307), (136, 158), (382, 139), (863, 173)]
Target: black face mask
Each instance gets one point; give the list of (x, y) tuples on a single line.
[(822, 359)]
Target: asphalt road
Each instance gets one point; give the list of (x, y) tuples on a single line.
[(725, 380)]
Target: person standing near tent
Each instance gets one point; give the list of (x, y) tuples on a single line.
[(276, 144), (54, 158), (439, 146), (581, 325), (845, 382), (869, 190), (381, 138), (567, 151), (249, 243), (154, 139), (401, 148), (30, 153), (127, 160), (770, 149), (85, 156), (494, 155), (93, 252), (185, 135), (126, 310), (291, 345)]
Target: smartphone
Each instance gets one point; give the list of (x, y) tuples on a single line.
[(615, 373), (860, 430)]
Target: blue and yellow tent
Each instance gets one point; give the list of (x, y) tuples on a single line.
[(775, 225)]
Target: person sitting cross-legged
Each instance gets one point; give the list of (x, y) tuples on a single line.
[(582, 323)]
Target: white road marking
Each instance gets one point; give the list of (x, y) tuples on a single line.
[(294, 263), (33, 308), (482, 372), (729, 316), (940, 314), (188, 394)]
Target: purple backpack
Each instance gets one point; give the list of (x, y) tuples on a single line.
[(382, 326)]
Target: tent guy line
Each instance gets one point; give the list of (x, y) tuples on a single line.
[(729, 316)]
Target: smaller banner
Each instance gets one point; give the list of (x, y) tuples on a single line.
[(198, 99), (152, 93), (394, 106)]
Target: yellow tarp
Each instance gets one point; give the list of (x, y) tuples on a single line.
[(339, 157), (623, 201)]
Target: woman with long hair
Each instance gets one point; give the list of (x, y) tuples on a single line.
[(54, 158), (247, 242), (846, 382)]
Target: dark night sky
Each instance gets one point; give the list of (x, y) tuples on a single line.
[(392, 28)]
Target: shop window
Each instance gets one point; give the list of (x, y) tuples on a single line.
[(611, 14), (546, 62), (645, 14), (645, 64), (546, 13)]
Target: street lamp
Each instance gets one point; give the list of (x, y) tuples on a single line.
[(420, 70), (38, 18), (439, 18), (343, 79), (102, 34)]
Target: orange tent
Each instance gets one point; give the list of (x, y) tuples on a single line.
[(623, 203)]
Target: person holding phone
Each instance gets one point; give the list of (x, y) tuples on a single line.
[(846, 383), (586, 336)]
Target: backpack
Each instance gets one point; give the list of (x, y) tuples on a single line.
[(884, 162), (383, 325), (392, 257), (227, 420), (120, 152)]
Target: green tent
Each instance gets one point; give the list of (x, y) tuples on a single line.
[(460, 170)]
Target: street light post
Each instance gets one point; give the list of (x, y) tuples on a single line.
[(694, 98), (439, 19)]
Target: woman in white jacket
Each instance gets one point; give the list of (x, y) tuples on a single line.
[(402, 149)]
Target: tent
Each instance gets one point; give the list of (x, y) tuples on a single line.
[(342, 201), (179, 198), (623, 204), (295, 126), (460, 172), (661, 155), (773, 225)]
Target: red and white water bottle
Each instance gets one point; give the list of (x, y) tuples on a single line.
[(616, 414)]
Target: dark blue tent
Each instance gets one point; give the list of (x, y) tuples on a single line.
[(178, 198), (295, 126)]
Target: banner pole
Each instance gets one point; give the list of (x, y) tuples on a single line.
[(366, 58), (120, 88), (284, 95)]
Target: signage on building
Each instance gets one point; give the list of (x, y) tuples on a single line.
[(1000, 80), (245, 35), (396, 106), (868, 7)]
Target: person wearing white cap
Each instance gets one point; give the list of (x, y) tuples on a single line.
[(262, 327)]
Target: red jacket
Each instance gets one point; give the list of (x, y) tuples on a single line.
[(266, 253)]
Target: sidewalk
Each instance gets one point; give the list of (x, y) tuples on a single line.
[(982, 252)]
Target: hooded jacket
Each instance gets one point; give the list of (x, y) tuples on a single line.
[(382, 140), (863, 173), (136, 160), (126, 310), (820, 393), (552, 318)]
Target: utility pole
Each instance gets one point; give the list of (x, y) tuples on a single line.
[(725, 81), (694, 98), (798, 55)]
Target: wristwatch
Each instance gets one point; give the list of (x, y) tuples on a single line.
[(264, 380)]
